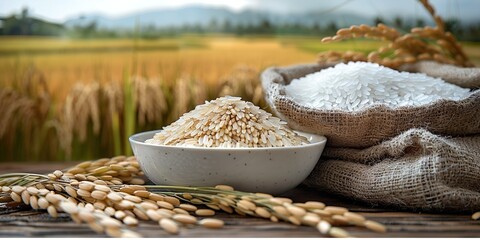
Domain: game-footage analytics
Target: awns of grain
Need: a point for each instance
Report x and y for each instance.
(427, 43)
(109, 208)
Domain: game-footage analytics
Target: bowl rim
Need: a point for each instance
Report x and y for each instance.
(322, 140)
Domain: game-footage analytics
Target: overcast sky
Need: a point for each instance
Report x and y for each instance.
(60, 10)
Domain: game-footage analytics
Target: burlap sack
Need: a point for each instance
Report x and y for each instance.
(463, 77)
(373, 125)
(416, 170)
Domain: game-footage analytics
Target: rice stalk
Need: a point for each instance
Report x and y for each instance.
(243, 82)
(110, 205)
(419, 44)
(129, 111)
(22, 114)
(438, 20)
(64, 126)
(198, 91)
(84, 109)
(26, 108)
(9, 104)
(181, 98)
(81, 109)
(114, 101)
(150, 101)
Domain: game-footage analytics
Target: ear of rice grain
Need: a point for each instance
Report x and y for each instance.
(228, 122)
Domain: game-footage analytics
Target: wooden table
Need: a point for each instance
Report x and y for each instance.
(22, 222)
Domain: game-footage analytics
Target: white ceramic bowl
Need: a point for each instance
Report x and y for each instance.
(270, 170)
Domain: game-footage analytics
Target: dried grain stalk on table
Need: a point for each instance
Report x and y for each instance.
(109, 195)
(427, 43)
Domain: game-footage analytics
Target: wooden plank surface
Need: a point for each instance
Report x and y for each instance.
(22, 222)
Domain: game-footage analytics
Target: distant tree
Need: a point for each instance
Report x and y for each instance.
(213, 25)
(198, 28)
(227, 26)
(11, 26)
(86, 31)
(265, 26)
(149, 31)
(398, 22)
(24, 24)
(419, 22)
(316, 28)
(24, 14)
(249, 28)
(331, 28)
(472, 32)
(378, 20)
(240, 29)
(90, 28)
(453, 25)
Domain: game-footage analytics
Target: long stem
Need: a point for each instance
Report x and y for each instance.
(195, 189)
(9, 175)
(22, 179)
(129, 111)
(117, 144)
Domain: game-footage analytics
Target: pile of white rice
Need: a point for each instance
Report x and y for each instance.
(228, 122)
(359, 85)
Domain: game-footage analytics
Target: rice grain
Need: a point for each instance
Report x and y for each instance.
(227, 122)
(358, 85)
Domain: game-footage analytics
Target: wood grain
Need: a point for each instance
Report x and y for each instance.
(23, 222)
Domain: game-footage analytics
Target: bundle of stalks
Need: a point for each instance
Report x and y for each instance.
(15, 109)
(427, 43)
(112, 97)
(181, 98)
(85, 105)
(243, 82)
(150, 100)
(199, 92)
(80, 110)
(110, 196)
(25, 113)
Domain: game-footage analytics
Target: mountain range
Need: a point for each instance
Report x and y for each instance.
(204, 15)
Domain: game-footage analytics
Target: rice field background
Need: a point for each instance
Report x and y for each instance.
(64, 99)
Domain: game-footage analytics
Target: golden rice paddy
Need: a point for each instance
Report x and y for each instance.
(83, 98)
